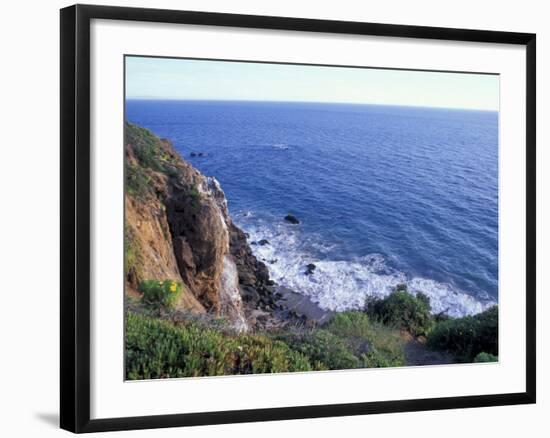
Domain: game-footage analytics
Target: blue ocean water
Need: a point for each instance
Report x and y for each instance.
(385, 194)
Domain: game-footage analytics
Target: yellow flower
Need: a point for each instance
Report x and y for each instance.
(173, 287)
(161, 283)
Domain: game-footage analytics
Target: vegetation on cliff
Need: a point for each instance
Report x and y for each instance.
(403, 310)
(185, 346)
(177, 229)
(469, 338)
(465, 338)
(160, 293)
(159, 348)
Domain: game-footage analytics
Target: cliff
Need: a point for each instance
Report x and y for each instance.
(177, 227)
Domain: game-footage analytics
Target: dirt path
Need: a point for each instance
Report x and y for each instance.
(417, 353)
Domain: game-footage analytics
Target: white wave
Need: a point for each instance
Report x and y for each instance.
(341, 285)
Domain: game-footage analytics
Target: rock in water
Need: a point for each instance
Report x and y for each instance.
(310, 268)
(292, 219)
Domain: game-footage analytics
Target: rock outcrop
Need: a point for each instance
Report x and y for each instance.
(177, 226)
(292, 219)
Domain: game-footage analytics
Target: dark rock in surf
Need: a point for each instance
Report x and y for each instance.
(263, 242)
(292, 219)
(310, 268)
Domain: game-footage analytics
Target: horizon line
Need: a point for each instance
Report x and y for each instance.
(311, 101)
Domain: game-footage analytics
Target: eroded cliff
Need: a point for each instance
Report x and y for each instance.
(177, 227)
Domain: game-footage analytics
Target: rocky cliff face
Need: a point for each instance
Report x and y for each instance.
(177, 227)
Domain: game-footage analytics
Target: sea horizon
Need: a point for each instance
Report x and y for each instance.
(319, 102)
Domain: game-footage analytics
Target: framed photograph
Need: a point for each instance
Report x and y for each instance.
(268, 218)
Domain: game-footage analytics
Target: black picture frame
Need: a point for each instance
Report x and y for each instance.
(75, 217)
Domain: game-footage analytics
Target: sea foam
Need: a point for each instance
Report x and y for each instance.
(341, 285)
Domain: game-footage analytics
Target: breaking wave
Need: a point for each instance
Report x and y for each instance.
(341, 285)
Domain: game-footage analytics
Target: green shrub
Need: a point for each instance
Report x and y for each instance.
(386, 349)
(146, 145)
(375, 344)
(137, 181)
(485, 357)
(349, 341)
(351, 324)
(159, 349)
(131, 252)
(322, 347)
(467, 337)
(149, 150)
(195, 196)
(160, 293)
(375, 358)
(403, 310)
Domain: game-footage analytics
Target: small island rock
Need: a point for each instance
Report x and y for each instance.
(292, 219)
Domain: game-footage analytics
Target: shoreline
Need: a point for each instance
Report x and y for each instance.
(287, 261)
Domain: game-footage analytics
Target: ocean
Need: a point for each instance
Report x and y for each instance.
(384, 194)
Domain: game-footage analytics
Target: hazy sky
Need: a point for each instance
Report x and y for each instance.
(164, 78)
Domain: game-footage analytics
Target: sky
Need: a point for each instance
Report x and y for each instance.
(185, 79)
